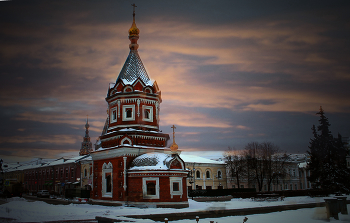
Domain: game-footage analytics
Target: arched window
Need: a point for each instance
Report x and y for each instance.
(219, 174)
(208, 174)
(198, 174)
(107, 184)
(85, 172)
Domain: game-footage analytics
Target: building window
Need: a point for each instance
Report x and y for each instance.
(147, 113)
(208, 174)
(107, 176)
(219, 174)
(198, 174)
(175, 186)
(108, 183)
(72, 173)
(242, 186)
(113, 115)
(128, 112)
(233, 186)
(150, 187)
(66, 173)
(85, 172)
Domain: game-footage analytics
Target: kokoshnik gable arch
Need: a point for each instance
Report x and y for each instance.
(131, 163)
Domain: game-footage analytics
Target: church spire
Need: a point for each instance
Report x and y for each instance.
(86, 145)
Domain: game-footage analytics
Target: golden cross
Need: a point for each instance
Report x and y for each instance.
(133, 14)
(173, 127)
(133, 5)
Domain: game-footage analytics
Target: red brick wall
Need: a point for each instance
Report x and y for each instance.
(118, 193)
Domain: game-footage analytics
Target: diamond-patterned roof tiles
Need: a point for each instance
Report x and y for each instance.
(151, 161)
(133, 68)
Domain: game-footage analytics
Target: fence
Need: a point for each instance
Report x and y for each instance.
(235, 192)
(70, 193)
(251, 192)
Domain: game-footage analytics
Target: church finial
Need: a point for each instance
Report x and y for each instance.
(87, 122)
(133, 32)
(133, 13)
(174, 146)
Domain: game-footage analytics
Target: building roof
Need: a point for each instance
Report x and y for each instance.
(133, 69)
(198, 159)
(151, 161)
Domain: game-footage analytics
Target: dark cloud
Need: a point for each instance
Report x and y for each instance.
(231, 72)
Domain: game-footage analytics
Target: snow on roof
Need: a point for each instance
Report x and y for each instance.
(303, 165)
(133, 69)
(43, 163)
(69, 160)
(197, 159)
(151, 161)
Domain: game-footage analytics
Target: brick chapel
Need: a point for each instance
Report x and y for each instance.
(132, 164)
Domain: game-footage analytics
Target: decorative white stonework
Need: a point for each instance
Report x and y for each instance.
(129, 142)
(124, 186)
(150, 187)
(148, 90)
(133, 126)
(128, 116)
(138, 107)
(118, 108)
(107, 180)
(134, 100)
(147, 112)
(176, 186)
(128, 88)
(157, 112)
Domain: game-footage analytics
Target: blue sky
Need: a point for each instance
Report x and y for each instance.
(230, 72)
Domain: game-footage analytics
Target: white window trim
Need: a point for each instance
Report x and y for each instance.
(174, 180)
(144, 187)
(128, 87)
(116, 115)
(210, 174)
(151, 91)
(132, 112)
(126, 139)
(150, 119)
(107, 168)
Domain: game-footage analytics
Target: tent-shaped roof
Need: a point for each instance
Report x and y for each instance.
(133, 69)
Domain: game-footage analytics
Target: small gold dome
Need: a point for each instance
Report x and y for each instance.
(134, 31)
(174, 147)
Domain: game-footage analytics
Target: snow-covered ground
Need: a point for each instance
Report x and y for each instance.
(39, 211)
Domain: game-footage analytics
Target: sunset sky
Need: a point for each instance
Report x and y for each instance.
(230, 72)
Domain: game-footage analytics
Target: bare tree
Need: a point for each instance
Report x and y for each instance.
(274, 162)
(236, 165)
(253, 155)
(265, 163)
